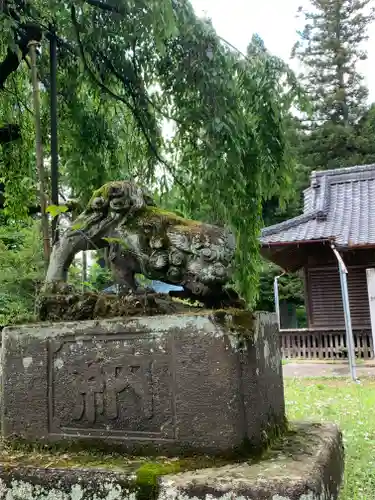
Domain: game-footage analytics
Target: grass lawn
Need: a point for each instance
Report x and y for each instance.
(352, 407)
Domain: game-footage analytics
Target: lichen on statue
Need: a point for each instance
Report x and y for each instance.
(143, 238)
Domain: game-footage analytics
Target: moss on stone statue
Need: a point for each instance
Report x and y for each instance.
(147, 211)
(235, 318)
(148, 473)
(160, 214)
(103, 191)
(273, 434)
(66, 304)
(161, 219)
(23, 454)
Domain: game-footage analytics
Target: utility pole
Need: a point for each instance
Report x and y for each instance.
(39, 151)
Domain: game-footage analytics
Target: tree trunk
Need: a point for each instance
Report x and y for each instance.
(39, 153)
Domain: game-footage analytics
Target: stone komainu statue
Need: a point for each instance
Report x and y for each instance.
(143, 238)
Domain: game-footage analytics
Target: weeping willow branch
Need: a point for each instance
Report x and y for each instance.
(20, 102)
(133, 109)
(87, 67)
(110, 66)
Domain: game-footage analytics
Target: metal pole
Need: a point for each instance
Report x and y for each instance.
(370, 275)
(84, 271)
(54, 143)
(346, 305)
(276, 297)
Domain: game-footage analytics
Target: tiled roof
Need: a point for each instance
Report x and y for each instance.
(339, 206)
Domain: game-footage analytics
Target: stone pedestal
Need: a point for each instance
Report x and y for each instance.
(181, 384)
(307, 465)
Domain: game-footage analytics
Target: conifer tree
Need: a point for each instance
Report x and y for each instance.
(329, 48)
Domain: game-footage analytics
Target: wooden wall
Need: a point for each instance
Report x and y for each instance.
(323, 290)
(324, 344)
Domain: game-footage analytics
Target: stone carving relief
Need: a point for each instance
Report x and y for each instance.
(105, 386)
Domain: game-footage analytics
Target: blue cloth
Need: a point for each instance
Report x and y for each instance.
(160, 287)
(156, 286)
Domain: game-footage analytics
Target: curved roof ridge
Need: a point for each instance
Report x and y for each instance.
(356, 169)
(290, 223)
(321, 220)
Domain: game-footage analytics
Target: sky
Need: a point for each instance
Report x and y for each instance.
(276, 22)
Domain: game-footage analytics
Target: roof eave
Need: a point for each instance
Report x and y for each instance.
(296, 242)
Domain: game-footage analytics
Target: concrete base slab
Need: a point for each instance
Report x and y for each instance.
(307, 464)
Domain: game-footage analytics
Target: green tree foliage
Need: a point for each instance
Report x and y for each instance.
(329, 48)
(125, 69)
(364, 152)
(21, 271)
(290, 288)
(99, 277)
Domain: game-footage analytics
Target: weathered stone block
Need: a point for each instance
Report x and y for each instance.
(307, 464)
(207, 383)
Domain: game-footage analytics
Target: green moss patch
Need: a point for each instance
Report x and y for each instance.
(160, 214)
(296, 442)
(103, 191)
(20, 454)
(142, 473)
(24, 454)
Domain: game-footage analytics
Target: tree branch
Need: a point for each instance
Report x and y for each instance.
(8, 133)
(23, 34)
(106, 7)
(19, 101)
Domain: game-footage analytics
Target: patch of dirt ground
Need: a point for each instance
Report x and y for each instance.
(307, 369)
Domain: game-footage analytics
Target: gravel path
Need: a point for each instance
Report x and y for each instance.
(318, 369)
